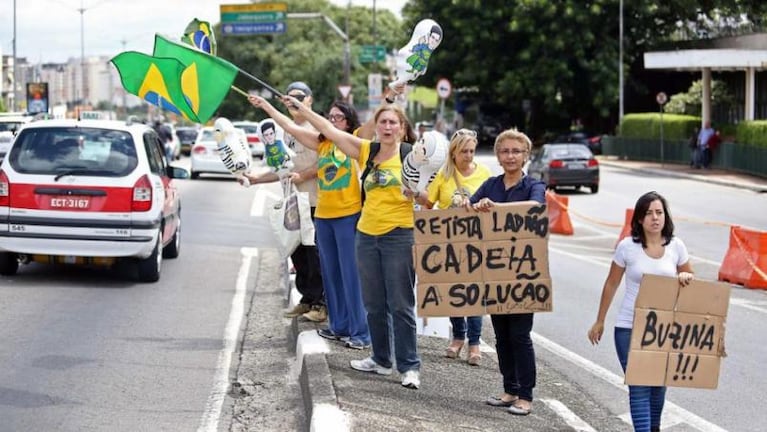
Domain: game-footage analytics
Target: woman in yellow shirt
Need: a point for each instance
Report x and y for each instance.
(456, 181)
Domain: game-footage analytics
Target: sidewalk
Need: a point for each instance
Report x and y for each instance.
(714, 175)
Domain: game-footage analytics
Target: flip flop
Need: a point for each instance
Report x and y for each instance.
(518, 410)
(498, 402)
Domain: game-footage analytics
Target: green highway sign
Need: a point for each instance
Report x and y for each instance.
(372, 53)
(233, 17)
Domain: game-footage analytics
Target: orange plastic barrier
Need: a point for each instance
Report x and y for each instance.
(746, 260)
(626, 231)
(559, 218)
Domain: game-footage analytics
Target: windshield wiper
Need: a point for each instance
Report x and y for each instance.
(81, 171)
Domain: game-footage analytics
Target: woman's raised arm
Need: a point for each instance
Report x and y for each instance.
(345, 141)
(307, 137)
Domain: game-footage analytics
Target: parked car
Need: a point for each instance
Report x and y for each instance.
(6, 137)
(592, 141)
(186, 136)
(13, 121)
(204, 157)
(564, 164)
(251, 133)
(89, 192)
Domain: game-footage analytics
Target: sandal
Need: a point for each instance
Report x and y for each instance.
(474, 355)
(454, 349)
(516, 409)
(499, 402)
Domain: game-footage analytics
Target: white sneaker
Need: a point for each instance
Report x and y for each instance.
(410, 379)
(369, 365)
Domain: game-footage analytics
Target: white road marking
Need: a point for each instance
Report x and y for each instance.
(210, 417)
(326, 417)
(568, 416)
(676, 412)
(603, 262)
(751, 305)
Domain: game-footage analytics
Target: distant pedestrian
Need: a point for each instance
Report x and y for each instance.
(651, 249)
(711, 147)
(693, 144)
(703, 136)
(516, 356)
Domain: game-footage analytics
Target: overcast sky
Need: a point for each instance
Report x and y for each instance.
(49, 30)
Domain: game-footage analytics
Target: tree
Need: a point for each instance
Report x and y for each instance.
(562, 56)
(690, 102)
(309, 51)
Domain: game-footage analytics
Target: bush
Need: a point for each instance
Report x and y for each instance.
(752, 132)
(647, 126)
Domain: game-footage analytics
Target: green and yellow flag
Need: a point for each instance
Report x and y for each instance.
(206, 79)
(156, 80)
(200, 34)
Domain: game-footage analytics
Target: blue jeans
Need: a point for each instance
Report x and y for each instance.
(467, 325)
(387, 275)
(646, 403)
(516, 356)
(343, 295)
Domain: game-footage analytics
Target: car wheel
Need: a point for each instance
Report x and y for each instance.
(594, 188)
(9, 263)
(149, 267)
(195, 175)
(174, 247)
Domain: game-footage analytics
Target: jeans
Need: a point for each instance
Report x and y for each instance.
(516, 356)
(646, 403)
(346, 312)
(306, 260)
(387, 275)
(467, 325)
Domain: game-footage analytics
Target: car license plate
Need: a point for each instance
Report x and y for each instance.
(576, 165)
(70, 203)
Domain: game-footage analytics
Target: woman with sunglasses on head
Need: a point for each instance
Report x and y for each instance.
(335, 219)
(516, 357)
(455, 182)
(651, 249)
(384, 244)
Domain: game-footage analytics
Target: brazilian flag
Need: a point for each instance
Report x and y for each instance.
(156, 80)
(200, 34)
(206, 79)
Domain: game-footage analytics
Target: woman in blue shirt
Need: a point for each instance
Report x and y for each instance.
(516, 357)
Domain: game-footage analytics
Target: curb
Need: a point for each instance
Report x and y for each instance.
(317, 391)
(701, 178)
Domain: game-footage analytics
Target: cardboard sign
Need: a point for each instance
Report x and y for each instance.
(678, 334)
(470, 263)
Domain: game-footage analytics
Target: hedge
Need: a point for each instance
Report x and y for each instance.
(648, 125)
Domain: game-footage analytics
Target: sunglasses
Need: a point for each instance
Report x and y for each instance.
(462, 132)
(336, 117)
(299, 96)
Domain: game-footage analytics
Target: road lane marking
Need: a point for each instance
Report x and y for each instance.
(679, 414)
(210, 417)
(750, 305)
(568, 416)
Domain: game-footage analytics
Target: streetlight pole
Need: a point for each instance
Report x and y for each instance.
(82, 58)
(15, 106)
(620, 63)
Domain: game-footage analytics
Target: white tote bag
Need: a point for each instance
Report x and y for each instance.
(291, 220)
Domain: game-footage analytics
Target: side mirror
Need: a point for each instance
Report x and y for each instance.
(177, 173)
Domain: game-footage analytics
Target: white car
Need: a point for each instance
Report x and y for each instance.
(204, 157)
(90, 192)
(6, 137)
(251, 132)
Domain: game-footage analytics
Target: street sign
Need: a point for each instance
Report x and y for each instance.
(229, 29)
(253, 18)
(372, 53)
(254, 7)
(444, 88)
(661, 98)
(344, 90)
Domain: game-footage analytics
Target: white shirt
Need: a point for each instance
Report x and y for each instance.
(636, 262)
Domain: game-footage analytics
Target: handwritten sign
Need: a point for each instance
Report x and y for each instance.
(471, 263)
(678, 334)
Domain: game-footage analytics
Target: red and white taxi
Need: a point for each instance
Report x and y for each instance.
(89, 191)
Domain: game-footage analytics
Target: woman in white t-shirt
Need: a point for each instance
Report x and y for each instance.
(651, 249)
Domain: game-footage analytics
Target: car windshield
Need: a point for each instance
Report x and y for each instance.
(186, 135)
(9, 126)
(208, 135)
(570, 152)
(74, 151)
(249, 129)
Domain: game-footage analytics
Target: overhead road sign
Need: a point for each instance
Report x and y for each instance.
(254, 7)
(234, 17)
(372, 53)
(252, 28)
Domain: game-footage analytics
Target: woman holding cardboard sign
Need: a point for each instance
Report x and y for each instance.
(457, 180)
(516, 357)
(651, 249)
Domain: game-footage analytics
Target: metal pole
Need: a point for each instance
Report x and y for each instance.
(662, 158)
(82, 54)
(620, 64)
(347, 48)
(375, 34)
(15, 106)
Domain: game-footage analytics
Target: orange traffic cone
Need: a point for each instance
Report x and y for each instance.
(745, 262)
(559, 218)
(626, 231)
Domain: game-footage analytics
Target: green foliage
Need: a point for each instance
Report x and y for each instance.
(310, 51)
(648, 125)
(690, 102)
(753, 132)
(2, 106)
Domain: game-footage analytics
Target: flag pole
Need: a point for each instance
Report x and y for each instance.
(267, 86)
(240, 91)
